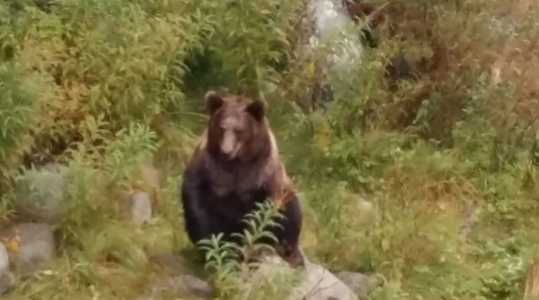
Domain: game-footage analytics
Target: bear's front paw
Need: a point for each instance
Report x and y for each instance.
(292, 255)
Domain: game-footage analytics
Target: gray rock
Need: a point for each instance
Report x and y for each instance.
(183, 285)
(361, 284)
(35, 245)
(140, 207)
(321, 284)
(272, 279)
(5, 279)
(40, 193)
(316, 282)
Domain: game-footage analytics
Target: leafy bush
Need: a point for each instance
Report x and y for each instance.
(233, 263)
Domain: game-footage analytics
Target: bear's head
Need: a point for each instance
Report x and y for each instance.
(238, 130)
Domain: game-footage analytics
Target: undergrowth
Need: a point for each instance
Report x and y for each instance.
(387, 172)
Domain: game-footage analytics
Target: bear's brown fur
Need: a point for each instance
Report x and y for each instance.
(235, 166)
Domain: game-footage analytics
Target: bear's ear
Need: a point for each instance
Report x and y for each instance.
(213, 101)
(257, 109)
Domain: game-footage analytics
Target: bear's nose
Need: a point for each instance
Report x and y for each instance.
(228, 143)
(227, 153)
(227, 156)
(227, 150)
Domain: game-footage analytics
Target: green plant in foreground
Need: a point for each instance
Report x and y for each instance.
(224, 257)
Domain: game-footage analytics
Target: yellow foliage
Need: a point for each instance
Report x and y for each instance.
(12, 244)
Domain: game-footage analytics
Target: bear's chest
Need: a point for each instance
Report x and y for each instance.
(243, 182)
(232, 199)
(233, 207)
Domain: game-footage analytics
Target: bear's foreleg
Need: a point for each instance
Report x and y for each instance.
(198, 222)
(289, 231)
(195, 217)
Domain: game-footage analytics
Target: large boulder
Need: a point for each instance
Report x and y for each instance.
(40, 193)
(313, 282)
(321, 284)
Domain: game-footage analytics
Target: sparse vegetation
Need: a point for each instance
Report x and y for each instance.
(103, 86)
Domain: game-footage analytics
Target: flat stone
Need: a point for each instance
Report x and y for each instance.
(140, 206)
(34, 242)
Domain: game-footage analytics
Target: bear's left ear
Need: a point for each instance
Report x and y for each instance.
(257, 109)
(213, 101)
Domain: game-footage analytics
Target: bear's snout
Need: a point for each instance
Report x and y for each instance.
(230, 145)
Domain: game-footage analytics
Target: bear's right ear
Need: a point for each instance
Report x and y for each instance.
(213, 101)
(257, 109)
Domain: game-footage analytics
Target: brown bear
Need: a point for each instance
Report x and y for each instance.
(235, 166)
